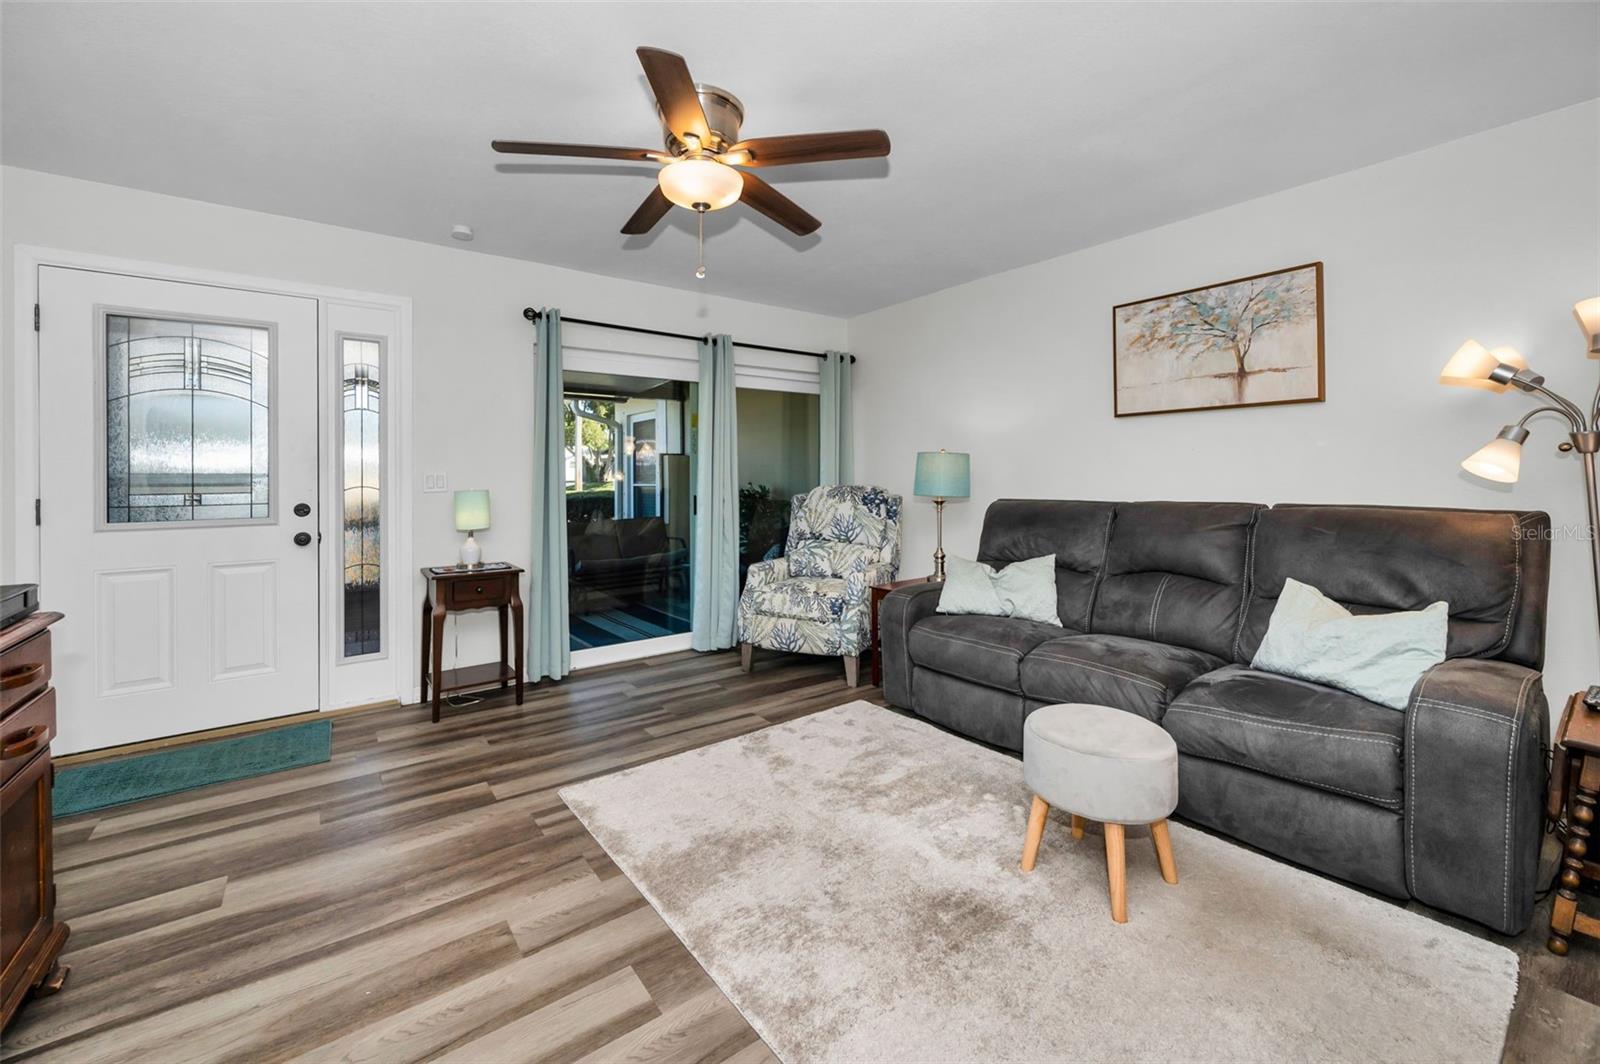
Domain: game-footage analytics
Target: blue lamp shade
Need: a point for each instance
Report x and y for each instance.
(943, 475)
(472, 510)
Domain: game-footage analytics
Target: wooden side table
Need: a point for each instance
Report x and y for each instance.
(1575, 788)
(455, 589)
(874, 596)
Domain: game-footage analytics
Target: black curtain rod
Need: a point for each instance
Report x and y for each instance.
(533, 315)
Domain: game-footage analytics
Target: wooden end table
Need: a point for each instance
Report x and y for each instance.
(456, 589)
(875, 595)
(1575, 788)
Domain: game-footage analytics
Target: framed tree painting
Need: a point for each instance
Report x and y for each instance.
(1255, 341)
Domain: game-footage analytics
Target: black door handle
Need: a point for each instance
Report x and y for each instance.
(302, 509)
(302, 539)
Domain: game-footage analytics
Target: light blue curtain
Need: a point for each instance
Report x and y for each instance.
(716, 520)
(838, 440)
(549, 642)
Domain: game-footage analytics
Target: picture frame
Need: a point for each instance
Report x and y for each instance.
(1249, 341)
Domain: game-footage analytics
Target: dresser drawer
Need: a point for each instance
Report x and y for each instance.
(484, 591)
(26, 732)
(24, 671)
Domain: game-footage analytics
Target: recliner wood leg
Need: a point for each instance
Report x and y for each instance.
(747, 653)
(852, 669)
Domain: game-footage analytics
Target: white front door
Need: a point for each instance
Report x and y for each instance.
(178, 485)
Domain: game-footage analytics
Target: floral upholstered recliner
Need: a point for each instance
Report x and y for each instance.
(813, 600)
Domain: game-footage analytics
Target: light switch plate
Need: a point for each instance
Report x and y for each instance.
(433, 482)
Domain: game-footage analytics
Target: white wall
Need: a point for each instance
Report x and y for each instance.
(472, 350)
(1494, 236)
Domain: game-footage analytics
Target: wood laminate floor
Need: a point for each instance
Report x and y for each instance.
(426, 895)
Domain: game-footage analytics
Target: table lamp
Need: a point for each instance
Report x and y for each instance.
(942, 475)
(472, 514)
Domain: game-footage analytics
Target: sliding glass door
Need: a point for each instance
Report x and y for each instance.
(630, 507)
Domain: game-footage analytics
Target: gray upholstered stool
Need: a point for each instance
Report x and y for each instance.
(1103, 764)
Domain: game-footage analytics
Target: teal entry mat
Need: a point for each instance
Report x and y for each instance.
(117, 781)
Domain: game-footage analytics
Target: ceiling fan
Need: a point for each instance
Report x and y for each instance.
(703, 150)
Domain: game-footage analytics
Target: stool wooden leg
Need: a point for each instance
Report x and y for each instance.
(1163, 841)
(1117, 873)
(1036, 818)
(1077, 826)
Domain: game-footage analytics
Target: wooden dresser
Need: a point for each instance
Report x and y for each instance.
(30, 936)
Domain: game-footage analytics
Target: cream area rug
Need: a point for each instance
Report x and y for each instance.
(850, 881)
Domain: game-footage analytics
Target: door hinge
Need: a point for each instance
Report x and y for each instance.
(36, 317)
(38, 512)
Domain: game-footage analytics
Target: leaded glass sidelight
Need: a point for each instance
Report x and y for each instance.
(188, 425)
(362, 362)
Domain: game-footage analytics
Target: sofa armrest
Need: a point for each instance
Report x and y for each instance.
(1476, 736)
(900, 611)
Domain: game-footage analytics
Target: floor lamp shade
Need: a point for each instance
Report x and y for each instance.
(943, 475)
(472, 514)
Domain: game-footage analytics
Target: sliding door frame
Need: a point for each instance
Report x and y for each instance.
(592, 349)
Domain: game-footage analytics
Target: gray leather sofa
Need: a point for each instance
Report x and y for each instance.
(1163, 605)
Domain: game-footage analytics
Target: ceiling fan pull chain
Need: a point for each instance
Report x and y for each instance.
(700, 270)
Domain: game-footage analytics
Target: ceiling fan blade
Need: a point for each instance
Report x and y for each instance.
(576, 151)
(808, 148)
(652, 210)
(775, 205)
(669, 79)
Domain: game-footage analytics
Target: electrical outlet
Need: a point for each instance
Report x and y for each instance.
(433, 482)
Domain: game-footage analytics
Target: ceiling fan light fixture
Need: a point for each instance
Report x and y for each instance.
(700, 184)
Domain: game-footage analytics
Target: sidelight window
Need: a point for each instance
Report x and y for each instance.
(362, 362)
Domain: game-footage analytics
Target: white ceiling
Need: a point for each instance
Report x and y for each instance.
(1020, 131)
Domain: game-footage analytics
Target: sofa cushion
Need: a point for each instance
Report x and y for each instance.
(1488, 565)
(1112, 670)
(986, 650)
(801, 598)
(1015, 530)
(1175, 573)
(1294, 730)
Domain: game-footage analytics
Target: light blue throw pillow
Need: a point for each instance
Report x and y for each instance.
(1025, 590)
(1378, 656)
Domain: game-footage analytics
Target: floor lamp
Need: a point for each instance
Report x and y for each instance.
(1475, 366)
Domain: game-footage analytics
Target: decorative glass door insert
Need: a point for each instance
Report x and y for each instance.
(362, 362)
(188, 420)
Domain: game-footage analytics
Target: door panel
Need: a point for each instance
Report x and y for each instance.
(133, 615)
(178, 430)
(244, 611)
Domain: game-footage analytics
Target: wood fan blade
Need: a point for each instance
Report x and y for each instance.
(775, 205)
(576, 151)
(808, 148)
(669, 79)
(652, 210)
